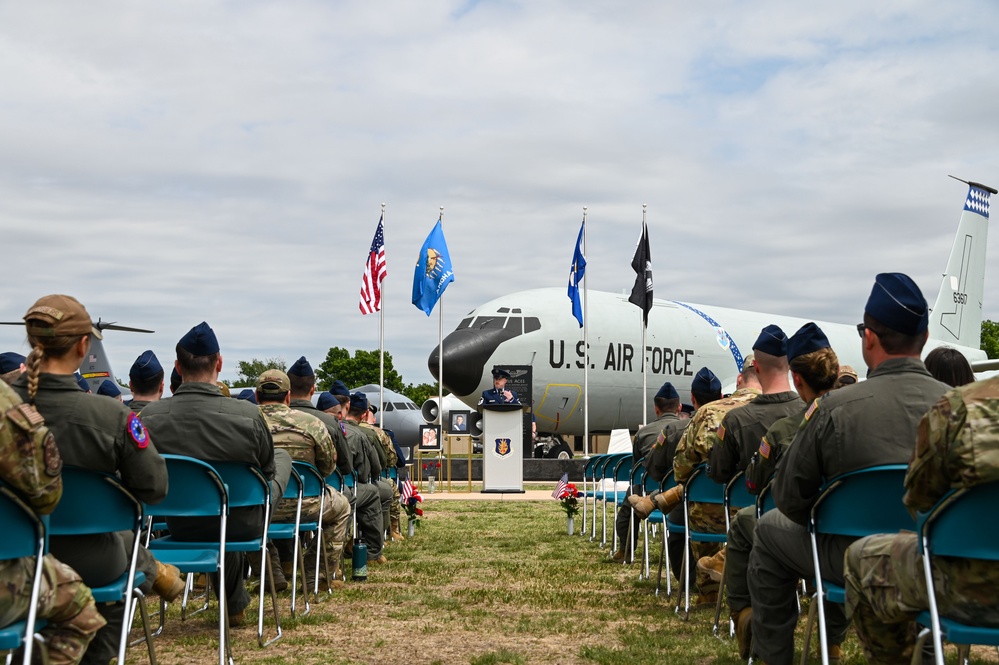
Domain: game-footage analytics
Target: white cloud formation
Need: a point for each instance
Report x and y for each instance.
(176, 162)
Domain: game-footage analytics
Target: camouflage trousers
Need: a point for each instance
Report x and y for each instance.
(65, 601)
(394, 509)
(708, 518)
(886, 589)
(335, 519)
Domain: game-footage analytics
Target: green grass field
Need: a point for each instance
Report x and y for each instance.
(481, 583)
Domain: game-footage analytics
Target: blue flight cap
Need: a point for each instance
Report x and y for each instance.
(705, 382)
(339, 389)
(301, 368)
(688, 409)
(200, 340)
(145, 367)
(326, 401)
(898, 303)
(175, 377)
(248, 394)
(809, 338)
(108, 389)
(667, 392)
(500, 373)
(82, 382)
(771, 341)
(359, 401)
(9, 361)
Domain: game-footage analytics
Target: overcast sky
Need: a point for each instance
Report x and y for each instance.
(169, 163)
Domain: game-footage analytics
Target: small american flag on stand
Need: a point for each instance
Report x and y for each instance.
(408, 491)
(563, 483)
(374, 273)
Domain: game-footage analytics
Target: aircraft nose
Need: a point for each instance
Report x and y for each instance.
(466, 352)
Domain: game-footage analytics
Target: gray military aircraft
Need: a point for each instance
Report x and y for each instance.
(96, 366)
(534, 333)
(399, 414)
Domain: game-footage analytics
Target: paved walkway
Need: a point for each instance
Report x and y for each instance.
(457, 495)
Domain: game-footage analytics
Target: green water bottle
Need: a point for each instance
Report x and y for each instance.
(360, 560)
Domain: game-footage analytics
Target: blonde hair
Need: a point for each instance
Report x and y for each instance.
(44, 346)
(819, 369)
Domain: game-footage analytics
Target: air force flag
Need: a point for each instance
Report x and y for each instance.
(433, 271)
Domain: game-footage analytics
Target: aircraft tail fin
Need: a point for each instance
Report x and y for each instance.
(956, 317)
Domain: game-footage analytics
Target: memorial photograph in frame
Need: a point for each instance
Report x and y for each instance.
(457, 422)
(430, 438)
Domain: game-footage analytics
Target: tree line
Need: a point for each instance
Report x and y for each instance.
(354, 370)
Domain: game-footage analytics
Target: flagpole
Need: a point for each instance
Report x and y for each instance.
(440, 347)
(645, 357)
(586, 357)
(381, 341)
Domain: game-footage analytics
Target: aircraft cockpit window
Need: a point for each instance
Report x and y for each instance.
(503, 310)
(465, 323)
(388, 406)
(490, 322)
(515, 310)
(531, 323)
(402, 406)
(515, 324)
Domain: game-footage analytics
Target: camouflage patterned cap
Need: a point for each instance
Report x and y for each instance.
(847, 375)
(273, 382)
(57, 316)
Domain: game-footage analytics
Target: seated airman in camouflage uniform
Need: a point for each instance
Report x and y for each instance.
(957, 445)
(30, 464)
(306, 439)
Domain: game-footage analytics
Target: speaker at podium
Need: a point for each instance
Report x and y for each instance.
(502, 448)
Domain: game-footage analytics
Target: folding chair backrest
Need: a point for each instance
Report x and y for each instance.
(245, 484)
(23, 530)
(638, 473)
(701, 489)
(589, 466)
(954, 526)
(738, 494)
(93, 502)
(335, 480)
(196, 490)
(668, 481)
(295, 485)
(863, 502)
(765, 499)
(313, 483)
(622, 469)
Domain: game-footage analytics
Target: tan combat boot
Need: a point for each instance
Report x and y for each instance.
(394, 531)
(664, 501)
(169, 583)
(713, 566)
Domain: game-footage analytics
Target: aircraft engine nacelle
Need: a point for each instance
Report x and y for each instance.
(430, 410)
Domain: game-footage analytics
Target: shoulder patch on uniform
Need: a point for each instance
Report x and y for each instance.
(53, 460)
(721, 431)
(764, 448)
(343, 427)
(661, 438)
(137, 431)
(812, 408)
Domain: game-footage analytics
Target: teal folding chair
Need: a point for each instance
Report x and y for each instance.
(94, 503)
(588, 479)
(196, 490)
(290, 531)
(23, 536)
(699, 488)
(607, 473)
(638, 473)
(599, 464)
(615, 497)
(737, 495)
(843, 508)
(314, 485)
(953, 528)
(678, 531)
(248, 488)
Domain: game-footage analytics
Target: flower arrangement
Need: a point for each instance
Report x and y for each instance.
(569, 498)
(431, 467)
(409, 504)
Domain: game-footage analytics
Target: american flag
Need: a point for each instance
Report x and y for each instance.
(409, 491)
(374, 273)
(562, 484)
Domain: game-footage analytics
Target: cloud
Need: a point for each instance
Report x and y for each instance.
(188, 161)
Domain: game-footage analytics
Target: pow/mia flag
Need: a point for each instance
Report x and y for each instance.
(641, 293)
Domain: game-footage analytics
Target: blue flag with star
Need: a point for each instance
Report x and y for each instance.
(433, 271)
(576, 271)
